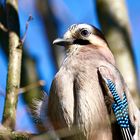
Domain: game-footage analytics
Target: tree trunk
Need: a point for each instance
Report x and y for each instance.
(45, 10)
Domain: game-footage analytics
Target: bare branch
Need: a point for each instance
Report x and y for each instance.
(47, 14)
(14, 67)
(26, 28)
(31, 86)
(29, 74)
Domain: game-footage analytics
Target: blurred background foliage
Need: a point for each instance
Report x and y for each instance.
(51, 19)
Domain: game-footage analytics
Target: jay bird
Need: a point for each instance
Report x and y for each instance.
(82, 100)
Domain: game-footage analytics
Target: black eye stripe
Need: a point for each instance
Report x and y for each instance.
(81, 42)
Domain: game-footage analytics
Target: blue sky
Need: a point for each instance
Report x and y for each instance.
(68, 12)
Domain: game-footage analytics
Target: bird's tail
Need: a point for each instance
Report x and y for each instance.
(39, 108)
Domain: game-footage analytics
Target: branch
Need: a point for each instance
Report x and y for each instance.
(31, 86)
(14, 135)
(46, 12)
(14, 67)
(26, 29)
(28, 74)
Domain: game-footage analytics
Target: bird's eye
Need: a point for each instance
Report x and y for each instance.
(85, 33)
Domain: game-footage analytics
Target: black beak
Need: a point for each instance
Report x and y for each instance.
(62, 42)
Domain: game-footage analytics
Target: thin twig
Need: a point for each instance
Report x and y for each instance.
(26, 29)
(31, 86)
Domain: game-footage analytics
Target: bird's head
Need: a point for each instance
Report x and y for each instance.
(81, 34)
(85, 36)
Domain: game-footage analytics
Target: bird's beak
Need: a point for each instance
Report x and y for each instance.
(62, 42)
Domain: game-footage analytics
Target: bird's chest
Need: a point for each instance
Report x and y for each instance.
(90, 112)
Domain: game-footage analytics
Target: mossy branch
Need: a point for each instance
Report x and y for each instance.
(13, 135)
